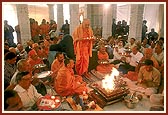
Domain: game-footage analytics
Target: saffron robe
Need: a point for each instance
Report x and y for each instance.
(35, 61)
(104, 68)
(82, 48)
(55, 66)
(66, 83)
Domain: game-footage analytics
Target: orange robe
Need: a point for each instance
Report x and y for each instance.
(82, 48)
(33, 62)
(34, 30)
(66, 83)
(104, 68)
(55, 66)
(44, 29)
(47, 46)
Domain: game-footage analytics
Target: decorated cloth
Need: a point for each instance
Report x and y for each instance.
(67, 84)
(104, 68)
(82, 48)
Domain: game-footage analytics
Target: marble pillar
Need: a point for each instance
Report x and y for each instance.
(51, 11)
(23, 21)
(60, 17)
(74, 17)
(114, 11)
(136, 19)
(107, 22)
(161, 20)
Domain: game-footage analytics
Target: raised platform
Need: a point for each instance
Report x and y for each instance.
(103, 98)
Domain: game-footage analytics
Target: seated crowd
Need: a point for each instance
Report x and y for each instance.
(22, 88)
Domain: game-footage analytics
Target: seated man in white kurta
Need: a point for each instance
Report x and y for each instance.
(27, 92)
(130, 60)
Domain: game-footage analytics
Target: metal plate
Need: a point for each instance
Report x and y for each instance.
(44, 74)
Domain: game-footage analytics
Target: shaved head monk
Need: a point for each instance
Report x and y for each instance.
(83, 38)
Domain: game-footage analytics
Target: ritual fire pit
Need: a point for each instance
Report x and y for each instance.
(109, 90)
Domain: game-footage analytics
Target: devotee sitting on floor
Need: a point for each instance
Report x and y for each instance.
(103, 60)
(148, 54)
(66, 83)
(109, 46)
(34, 59)
(130, 44)
(22, 65)
(130, 61)
(27, 92)
(149, 77)
(29, 46)
(159, 53)
(21, 51)
(12, 101)
(57, 64)
(119, 50)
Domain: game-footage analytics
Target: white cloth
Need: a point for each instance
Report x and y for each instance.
(117, 55)
(13, 79)
(28, 97)
(134, 59)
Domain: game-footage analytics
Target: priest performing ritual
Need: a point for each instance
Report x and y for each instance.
(83, 38)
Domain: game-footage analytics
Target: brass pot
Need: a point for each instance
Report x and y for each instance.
(131, 102)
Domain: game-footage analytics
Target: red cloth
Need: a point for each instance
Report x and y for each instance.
(132, 75)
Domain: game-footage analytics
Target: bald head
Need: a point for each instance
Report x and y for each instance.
(86, 23)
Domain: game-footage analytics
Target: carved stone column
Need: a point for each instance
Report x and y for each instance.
(107, 21)
(60, 17)
(24, 23)
(136, 19)
(74, 17)
(51, 11)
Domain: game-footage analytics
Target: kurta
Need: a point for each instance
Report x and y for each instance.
(66, 83)
(28, 97)
(82, 48)
(104, 68)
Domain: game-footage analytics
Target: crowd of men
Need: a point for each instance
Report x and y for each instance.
(67, 56)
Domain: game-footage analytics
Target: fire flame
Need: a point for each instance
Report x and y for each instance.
(108, 82)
